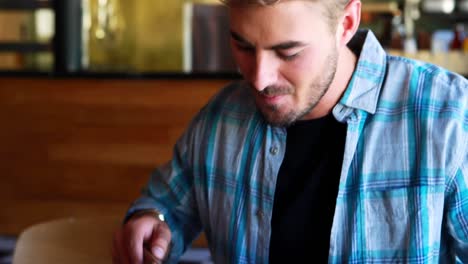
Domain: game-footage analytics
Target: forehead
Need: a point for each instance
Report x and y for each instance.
(284, 21)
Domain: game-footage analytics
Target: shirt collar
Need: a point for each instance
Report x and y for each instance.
(364, 88)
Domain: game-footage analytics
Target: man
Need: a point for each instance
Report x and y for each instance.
(330, 151)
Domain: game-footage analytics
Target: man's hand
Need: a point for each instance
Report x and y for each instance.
(139, 232)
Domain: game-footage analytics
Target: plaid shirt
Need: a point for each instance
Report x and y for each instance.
(403, 193)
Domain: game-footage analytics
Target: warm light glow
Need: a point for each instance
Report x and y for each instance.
(444, 6)
(448, 6)
(100, 33)
(44, 22)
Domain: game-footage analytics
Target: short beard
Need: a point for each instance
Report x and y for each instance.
(322, 84)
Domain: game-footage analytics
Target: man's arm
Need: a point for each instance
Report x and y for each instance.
(171, 192)
(457, 211)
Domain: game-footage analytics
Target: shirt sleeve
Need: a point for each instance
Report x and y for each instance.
(170, 190)
(457, 212)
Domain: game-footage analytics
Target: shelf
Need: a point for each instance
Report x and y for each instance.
(25, 4)
(24, 47)
(121, 75)
(382, 8)
(454, 17)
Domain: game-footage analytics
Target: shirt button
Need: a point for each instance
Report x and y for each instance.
(274, 150)
(259, 213)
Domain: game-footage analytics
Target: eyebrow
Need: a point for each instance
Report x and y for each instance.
(281, 46)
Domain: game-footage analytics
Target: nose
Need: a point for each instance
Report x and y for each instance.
(265, 72)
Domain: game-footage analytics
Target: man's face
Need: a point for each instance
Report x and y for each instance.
(288, 55)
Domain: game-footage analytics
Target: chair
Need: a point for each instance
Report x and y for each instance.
(70, 240)
(81, 240)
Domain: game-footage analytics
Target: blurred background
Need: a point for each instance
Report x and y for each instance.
(94, 94)
(181, 36)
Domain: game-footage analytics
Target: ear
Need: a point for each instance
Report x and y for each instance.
(348, 23)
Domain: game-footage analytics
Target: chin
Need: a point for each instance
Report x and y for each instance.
(279, 119)
(277, 114)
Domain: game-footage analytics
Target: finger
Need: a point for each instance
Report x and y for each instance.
(133, 236)
(138, 232)
(149, 258)
(119, 253)
(160, 241)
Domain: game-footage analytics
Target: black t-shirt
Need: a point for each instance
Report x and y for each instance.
(306, 191)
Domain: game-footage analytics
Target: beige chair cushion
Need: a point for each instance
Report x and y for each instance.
(68, 241)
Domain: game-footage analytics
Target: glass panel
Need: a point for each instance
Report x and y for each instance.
(15, 26)
(25, 40)
(141, 36)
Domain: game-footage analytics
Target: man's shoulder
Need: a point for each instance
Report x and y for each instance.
(425, 74)
(423, 93)
(424, 103)
(414, 81)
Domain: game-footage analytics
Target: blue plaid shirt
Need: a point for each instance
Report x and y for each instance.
(403, 193)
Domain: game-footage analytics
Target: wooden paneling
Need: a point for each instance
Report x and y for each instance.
(84, 147)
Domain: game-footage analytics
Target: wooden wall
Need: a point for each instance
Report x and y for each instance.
(84, 147)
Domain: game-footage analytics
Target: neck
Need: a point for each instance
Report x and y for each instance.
(344, 71)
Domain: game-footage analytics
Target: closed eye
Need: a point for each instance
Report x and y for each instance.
(287, 56)
(244, 48)
(289, 50)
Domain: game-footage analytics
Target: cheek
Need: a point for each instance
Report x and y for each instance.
(299, 71)
(307, 67)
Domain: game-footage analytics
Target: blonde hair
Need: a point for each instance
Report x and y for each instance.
(334, 8)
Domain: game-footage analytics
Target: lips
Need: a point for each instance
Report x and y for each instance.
(271, 99)
(272, 94)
